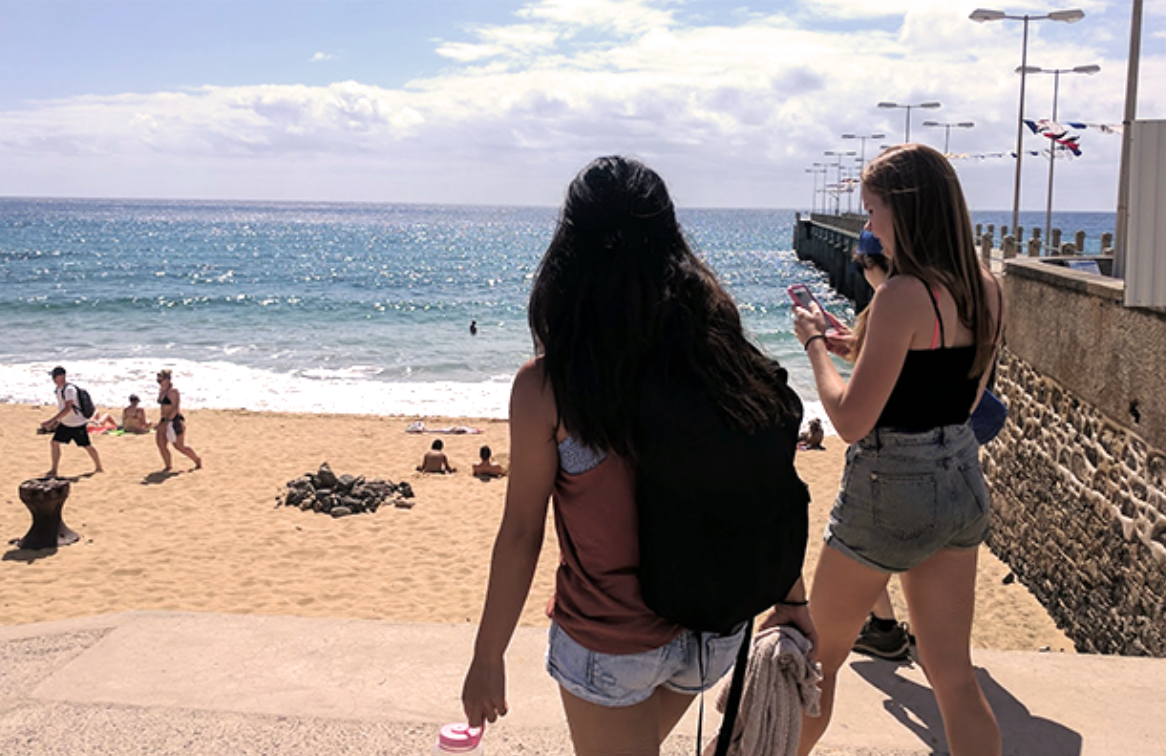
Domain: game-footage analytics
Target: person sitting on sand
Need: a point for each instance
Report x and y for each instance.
(133, 417)
(812, 437)
(435, 460)
(487, 468)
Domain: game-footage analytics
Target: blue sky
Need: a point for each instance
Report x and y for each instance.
(501, 101)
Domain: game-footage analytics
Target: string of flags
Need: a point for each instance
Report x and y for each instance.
(1046, 124)
(1104, 128)
(1058, 133)
(989, 155)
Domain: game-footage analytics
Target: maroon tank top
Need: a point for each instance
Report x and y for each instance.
(597, 589)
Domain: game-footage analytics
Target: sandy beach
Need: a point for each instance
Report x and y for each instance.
(214, 540)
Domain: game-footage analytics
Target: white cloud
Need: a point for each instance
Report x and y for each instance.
(730, 113)
(321, 57)
(624, 17)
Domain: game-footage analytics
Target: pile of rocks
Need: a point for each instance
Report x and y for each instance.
(340, 495)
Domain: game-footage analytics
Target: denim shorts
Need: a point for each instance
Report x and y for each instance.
(905, 496)
(628, 679)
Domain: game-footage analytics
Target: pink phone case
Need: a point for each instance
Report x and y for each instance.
(802, 296)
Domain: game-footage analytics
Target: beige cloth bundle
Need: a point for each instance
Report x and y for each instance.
(780, 683)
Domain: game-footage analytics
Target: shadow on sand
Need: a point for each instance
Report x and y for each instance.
(27, 556)
(161, 476)
(914, 706)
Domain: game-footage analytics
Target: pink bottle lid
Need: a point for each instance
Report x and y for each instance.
(459, 738)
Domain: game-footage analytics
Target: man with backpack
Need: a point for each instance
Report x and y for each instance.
(69, 424)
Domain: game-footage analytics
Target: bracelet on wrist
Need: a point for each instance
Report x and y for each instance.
(812, 339)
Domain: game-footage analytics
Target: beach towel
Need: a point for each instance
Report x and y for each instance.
(419, 427)
(780, 683)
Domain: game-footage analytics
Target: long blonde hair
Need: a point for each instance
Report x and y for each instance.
(933, 235)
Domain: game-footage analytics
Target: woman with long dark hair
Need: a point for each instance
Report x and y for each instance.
(912, 499)
(618, 293)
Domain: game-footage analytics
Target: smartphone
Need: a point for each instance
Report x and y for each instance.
(803, 297)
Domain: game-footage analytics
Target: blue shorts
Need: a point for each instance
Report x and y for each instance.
(628, 679)
(905, 496)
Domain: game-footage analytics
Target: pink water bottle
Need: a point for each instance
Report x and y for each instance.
(460, 739)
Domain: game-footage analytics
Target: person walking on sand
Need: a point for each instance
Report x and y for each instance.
(68, 425)
(617, 292)
(171, 427)
(913, 499)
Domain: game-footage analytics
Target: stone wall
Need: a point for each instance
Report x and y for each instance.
(1078, 475)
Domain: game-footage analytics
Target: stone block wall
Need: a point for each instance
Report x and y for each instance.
(1079, 483)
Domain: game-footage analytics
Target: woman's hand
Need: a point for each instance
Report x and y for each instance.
(840, 341)
(793, 616)
(484, 691)
(840, 344)
(809, 323)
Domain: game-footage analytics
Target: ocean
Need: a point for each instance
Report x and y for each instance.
(325, 307)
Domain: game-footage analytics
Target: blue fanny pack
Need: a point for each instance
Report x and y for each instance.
(989, 417)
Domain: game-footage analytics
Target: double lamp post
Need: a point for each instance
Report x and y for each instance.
(981, 15)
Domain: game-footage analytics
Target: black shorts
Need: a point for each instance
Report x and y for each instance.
(77, 434)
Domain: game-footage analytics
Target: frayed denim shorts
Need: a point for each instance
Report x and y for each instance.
(628, 679)
(905, 496)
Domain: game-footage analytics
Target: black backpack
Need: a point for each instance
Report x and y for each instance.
(723, 515)
(84, 401)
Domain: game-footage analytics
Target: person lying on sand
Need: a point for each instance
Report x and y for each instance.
(101, 423)
(435, 460)
(419, 427)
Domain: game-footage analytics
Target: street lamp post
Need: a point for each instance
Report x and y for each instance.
(1130, 114)
(1056, 72)
(856, 181)
(947, 127)
(907, 130)
(862, 144)
(839, 154)
(818, 168)
(846, 185)
(980, 15)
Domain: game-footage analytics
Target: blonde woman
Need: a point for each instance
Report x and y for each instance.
(913, 500)
(171, 427)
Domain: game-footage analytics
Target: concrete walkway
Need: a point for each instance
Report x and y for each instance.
(191, 684)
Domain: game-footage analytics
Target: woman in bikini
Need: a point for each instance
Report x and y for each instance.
(171, 427)
(133, 417)
(913, 499)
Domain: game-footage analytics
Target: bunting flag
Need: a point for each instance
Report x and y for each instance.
(1104, 128)
(1070, 143)
(990, 155)
(1056, 132)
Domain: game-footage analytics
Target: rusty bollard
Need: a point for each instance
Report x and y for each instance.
(45, 498)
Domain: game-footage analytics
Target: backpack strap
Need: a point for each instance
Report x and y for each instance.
(77, 403)
(736, 688)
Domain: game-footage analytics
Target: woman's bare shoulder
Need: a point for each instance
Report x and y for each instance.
(902, 295)
(531, 394)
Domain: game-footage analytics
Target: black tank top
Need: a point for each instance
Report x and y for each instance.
(933, 388)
